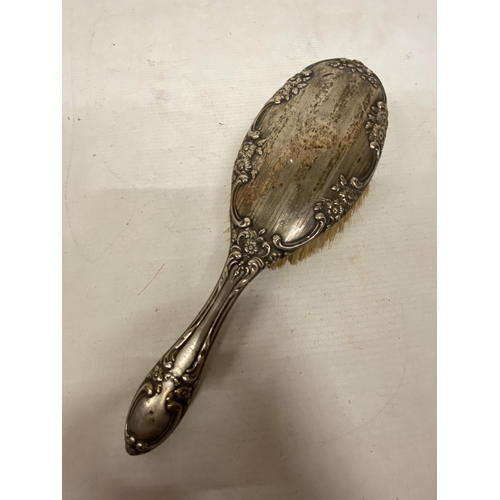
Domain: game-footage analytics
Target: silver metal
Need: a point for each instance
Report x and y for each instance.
(306, 160)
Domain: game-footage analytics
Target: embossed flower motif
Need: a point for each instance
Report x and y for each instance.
(377, 132)
(376, 126)
(251, 148)
(345, 196)
(348, 196)
(276, 255)
(332, 209)
(251, 242)
(251, 247)
(184, 392)
(244, 237)
(292, 87)
(244, 169)
(343, 63)
(338, 63)
(366, 74)
(345, 193)
(373, 81)
(156, 373)
(377, 120)
(249, 252)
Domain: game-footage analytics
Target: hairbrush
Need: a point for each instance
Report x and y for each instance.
(304, 166)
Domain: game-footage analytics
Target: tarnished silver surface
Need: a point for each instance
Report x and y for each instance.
(304, 163)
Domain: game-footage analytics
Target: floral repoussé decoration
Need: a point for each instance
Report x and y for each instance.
(292, 87)
(376, 126)
(346, 194)
(244, 168)
(250, 252)
(353, 65)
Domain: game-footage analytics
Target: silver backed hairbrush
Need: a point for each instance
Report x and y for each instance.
(303, 166)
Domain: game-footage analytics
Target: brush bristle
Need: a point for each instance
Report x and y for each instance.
(319, 242)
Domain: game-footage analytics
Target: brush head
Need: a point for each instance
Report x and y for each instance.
(306, 162)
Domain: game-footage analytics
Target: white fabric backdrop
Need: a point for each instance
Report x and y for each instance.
(321, 384)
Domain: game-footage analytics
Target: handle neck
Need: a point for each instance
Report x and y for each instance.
(166, 392)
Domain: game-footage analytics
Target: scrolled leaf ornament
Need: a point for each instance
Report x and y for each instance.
(376, 126)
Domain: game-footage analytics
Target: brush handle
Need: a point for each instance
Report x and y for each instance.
(166, 393)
